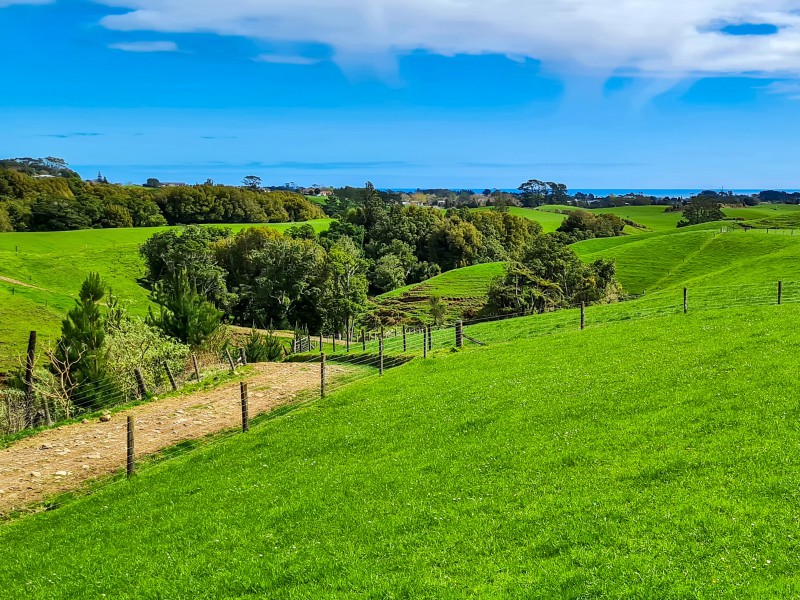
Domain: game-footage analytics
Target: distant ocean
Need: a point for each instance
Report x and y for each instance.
(658, 193)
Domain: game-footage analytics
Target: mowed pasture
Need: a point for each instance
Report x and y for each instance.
(644, 458)
(41, 273)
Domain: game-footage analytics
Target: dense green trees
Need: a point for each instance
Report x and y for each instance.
(549, 275)
(582, 224)
(702, 209)
(55, 203)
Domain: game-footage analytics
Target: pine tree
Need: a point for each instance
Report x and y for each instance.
(81, 345)
(183, 313)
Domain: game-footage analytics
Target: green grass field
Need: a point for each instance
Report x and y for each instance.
(654, 218)
(56, 263)
(698, 258)
(651, 458)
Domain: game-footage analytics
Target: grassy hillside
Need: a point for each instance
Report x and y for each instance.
(459, 288)
(698, 258)
(649, 458)
(654, 218)
(53, 265)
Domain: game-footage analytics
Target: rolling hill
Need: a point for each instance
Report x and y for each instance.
(40, 274)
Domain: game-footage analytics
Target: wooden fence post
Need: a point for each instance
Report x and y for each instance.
(780, 292)
(333, 339)
(308, 340)
(363, 339)
(405, 345)
(322, 375)
(685, 301)
(459, 334)
(380, 350)
(424, 342)
(583, 315)
(140, 383)
(230, 360)
(245, 415)
(321, 346)
(130, 463)
(347, 335)
(31, 357)
(430, 337)
(196, 367)
(170, 377)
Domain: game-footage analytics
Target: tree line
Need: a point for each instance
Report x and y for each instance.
(58, 203)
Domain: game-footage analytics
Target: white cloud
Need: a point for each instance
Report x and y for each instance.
(286, 59)
(663, 37)
(145, 46)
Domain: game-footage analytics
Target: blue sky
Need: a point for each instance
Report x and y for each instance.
(488, 93)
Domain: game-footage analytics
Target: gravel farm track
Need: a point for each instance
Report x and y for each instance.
(64, 458)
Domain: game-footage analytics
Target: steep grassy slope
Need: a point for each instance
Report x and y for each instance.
(460, 289)
(55, 264)
(653, 458)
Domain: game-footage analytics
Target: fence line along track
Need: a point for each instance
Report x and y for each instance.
(366, 359)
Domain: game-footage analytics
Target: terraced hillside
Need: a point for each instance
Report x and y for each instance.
(461, 289)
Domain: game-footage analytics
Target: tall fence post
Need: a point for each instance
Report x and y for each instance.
(780, 292)
(230, 360)
(140, 383)
(380, 350)
(430, 337)
(196, 367)
(245, 414)
(685, 300)
(130, 463)
(322, 375)
(583, 316)
(363, 340)
(333, 340)
(424, 342)
(321, 341)
(459, 334)
(29, 362)
(405, 345)
(170, 377)
(347, 335)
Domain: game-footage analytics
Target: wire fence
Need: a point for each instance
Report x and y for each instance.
(372, 354)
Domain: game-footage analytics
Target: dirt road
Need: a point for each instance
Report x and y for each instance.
(59, 460)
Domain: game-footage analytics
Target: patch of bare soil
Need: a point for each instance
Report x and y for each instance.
(62, 459)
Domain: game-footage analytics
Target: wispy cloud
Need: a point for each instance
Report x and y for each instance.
(650, 37)
(145, 46)
(286, 59)
(218, 137)
(70, 135)
(4, 3)
(784, 88)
